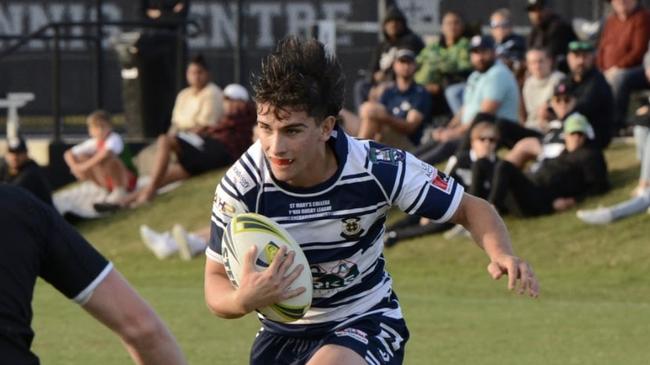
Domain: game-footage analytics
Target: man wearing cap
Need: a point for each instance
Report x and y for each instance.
(623, 43)
(397, 119)
(579, 171)
(510, 46)
(593, 94)
(491, 89)
(549, 31)
(16, 168)
(201, 149)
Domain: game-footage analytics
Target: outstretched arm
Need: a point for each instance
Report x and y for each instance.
(115, 304)
(490, 233)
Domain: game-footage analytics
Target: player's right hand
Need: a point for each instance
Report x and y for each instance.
(258, 289)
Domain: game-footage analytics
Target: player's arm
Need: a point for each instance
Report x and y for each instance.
(256, 289)
(490, 233)
(115, 304)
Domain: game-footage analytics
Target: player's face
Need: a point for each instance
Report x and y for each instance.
(294, 144)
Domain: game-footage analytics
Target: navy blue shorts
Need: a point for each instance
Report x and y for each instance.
(376, 338)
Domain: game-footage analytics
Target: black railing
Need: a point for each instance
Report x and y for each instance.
(180, 27)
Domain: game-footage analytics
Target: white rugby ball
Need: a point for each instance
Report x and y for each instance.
(248, 229)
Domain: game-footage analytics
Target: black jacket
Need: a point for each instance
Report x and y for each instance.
(596, 102)
(30, 177)
(553, 34)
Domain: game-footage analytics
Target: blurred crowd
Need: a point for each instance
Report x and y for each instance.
(521, 121)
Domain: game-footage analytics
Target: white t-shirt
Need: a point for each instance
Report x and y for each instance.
(88, 147)
(197, 109)
(536, 92)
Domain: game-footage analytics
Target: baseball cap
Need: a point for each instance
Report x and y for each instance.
(535, 5)
(577, 123)
(581, 46)
(481, 42)
(405, 53)
(563, 88)
(16, 145)
(236, 92)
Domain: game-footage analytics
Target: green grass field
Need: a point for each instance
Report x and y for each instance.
(594, 307)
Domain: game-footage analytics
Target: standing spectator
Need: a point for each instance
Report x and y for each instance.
(580, 170)
(510, 47)
(594, 96)
(538, 87)
(637, 78)
(549, 31)
(18, 169)
(37, 242)
(397, 35)
(201, 103)
(103, 159)
(623, 43)
(164, 10)
(444, 65)
(397, 120)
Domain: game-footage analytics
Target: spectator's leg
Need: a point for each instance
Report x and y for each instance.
(482, 172)
(351, 122)
(525, 150)
(642, 136)
(114, 168)
(629, 80)
(369, 127)
(440, 151)
(454, 95)
(528, 197)
(162, 171)
(632, 206)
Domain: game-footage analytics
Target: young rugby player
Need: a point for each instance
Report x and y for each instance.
(332, 193)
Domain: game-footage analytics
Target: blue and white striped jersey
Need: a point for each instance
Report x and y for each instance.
(339, 223)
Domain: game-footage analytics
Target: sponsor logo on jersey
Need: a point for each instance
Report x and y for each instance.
(441, 182)
(225, 208)
(353, 333)
(334, 276)
(351, 228)
(386, 155)
(241, 179)
(427, 169)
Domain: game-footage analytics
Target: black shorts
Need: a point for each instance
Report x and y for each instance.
(199, 154)
(376, 338)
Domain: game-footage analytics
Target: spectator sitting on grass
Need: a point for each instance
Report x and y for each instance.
(202, 149)
(579, 171)
(16, 168)
(103, 159)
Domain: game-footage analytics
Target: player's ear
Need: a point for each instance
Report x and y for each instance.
(326, 127)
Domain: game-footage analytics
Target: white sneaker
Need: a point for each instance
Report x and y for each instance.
(595, 216)
(189, 244)
(456, 232)
(161, 244)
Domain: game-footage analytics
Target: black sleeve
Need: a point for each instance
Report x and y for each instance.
(594, 169)
(68, 261)
(35, 183)
(560, 35)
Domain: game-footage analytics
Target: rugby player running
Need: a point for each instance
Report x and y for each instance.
(332, 193)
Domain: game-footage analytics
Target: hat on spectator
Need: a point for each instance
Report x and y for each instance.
(578, 123)
(405, 54)
(479, 42)
(16, 145)
(535, 5)
(236, 92)
(581, 46)
(563, 88)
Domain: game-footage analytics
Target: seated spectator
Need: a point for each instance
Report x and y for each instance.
(397, 35)
(443, 66)
(200, 104)
(202, 149)
(623, 42)
(472, 168)
(579, 171)
(549, 31)
(103, 159)
(510, 47)
(593, 94)
(538, 88)
(397, 119)
(491, 89)
(16, 168)
(178, 240)
(563, 104)
(636, 78)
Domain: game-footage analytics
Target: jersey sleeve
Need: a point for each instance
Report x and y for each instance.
(229, 200)
(87, 147)
(427, 192)
(68, 261)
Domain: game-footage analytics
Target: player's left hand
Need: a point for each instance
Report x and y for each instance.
(520, 274)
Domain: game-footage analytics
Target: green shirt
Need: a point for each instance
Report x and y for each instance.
(438, 64)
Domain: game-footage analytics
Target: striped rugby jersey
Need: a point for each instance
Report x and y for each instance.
(339, 223)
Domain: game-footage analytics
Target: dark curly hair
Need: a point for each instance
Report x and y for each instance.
(300, 75)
